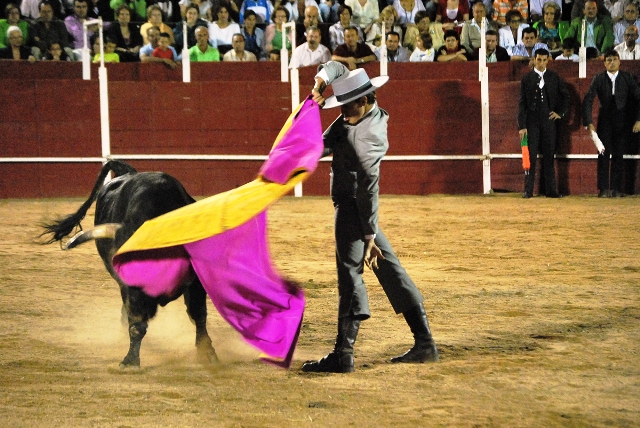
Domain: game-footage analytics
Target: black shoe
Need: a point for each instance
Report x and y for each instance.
(333, 363)
(527, 195)
(617, 194)
(554, 195)
(419, 354)
(604, 194)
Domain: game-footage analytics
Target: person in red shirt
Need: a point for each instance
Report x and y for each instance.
(163, 51)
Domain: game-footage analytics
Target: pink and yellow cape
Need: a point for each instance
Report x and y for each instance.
(223, 240)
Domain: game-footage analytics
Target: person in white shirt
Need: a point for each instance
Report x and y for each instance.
(568, 50)
(238, 53)
(424, 49)
(629, 49)
(311, 52)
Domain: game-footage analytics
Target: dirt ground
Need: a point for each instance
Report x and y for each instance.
(534, 304)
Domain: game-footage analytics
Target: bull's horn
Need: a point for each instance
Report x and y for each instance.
(103, 231)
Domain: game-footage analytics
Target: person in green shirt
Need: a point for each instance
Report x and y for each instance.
(12, 12)
(202, 51)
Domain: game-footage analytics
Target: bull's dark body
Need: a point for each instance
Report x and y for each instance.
(130, 199)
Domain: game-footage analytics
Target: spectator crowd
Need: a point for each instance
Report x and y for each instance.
(349, 31)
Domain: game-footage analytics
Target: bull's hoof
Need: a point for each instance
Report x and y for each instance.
(207, 355)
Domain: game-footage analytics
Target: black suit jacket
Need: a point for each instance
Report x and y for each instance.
(557, 95)
(627, 95)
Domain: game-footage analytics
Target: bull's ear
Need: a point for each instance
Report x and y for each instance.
(103, 231)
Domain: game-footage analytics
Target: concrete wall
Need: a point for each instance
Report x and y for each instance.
(230, 108)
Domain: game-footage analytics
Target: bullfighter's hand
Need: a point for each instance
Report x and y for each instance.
(317, 91)
(636, 126)
(522, 133)
(554, 116)
(371, 254)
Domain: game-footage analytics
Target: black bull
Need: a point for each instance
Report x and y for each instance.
(122, 206)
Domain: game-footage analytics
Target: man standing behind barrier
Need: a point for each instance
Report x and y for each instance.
(617, 90)
(358, 141)
(543, 100)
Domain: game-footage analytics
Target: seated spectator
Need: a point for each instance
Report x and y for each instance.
(599, 31)
(100, 9)
(74, 24)
(311, 19)
(536, 9)
(262, 8)
(30, 9)
(273, 34)
(336, 31)
(470, 35)
(126, 36)
(110, 54)
(222, 30)
(452, 50)
(15, 50)
(630, 18)
(364, 14)
(389, 16)
(146, 52)
(203, 7)
(232, 8)
(203, 51)
(253, 36)
(164, 49)
(511, 34)
(274, 55)
(424, 51)
(502, 7)
(154, 14)
(568, 50)
(406, 10)
(138, 8)
(351, 53)
(495, 53)
(311, 52)
(394, 52)
(452, 13)
(12, 12)
(550, 30)
(530, 44)
(423, 25)
(56, 53)
(238, 53)
(193, 20)
(46, 30)
(629, 49)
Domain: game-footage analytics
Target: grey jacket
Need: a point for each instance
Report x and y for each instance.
(357, 151)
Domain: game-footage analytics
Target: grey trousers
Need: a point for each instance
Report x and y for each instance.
(350, 246)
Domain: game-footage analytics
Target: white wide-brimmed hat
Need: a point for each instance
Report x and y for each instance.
(351, 86)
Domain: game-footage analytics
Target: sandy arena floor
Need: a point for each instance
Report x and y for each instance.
(535, 306)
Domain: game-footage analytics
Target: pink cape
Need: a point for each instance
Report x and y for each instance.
(234, 265)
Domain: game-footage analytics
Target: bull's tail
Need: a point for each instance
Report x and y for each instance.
(66, 225)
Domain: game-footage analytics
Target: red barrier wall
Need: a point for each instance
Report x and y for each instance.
(238, 108)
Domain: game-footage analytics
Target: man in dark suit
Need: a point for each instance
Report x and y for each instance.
(619, 97)
(543, 100)
(358, 141)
